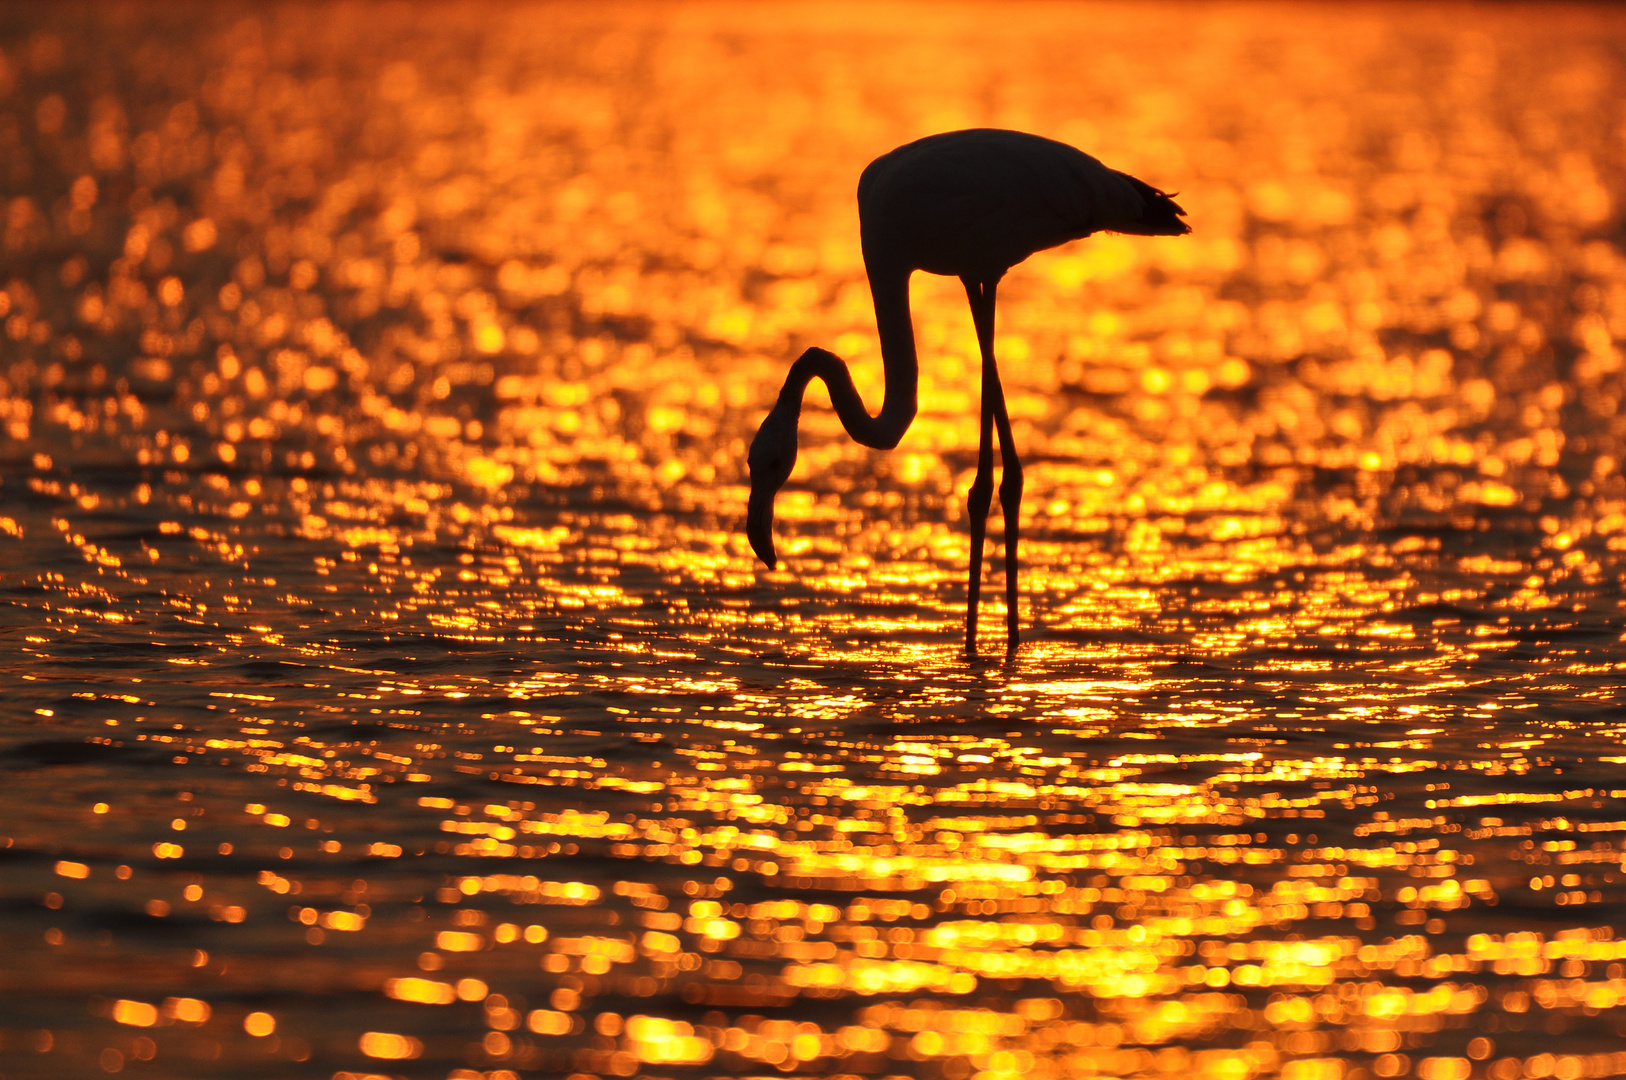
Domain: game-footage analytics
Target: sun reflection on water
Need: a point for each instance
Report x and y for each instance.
(391, 689)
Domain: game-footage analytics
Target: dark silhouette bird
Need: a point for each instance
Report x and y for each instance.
(971, 205)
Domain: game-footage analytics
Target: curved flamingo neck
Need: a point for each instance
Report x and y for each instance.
(890, 290)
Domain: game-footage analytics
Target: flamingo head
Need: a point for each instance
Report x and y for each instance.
(772, 457)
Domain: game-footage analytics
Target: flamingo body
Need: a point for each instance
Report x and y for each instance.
(966, 204)
(975, 203)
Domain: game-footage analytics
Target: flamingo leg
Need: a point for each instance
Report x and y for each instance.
(982, 487)
(1010, 502)
(1010, 483)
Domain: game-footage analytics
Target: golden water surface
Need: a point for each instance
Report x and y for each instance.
(387, 687)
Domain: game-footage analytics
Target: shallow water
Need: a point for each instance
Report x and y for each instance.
(389, 688)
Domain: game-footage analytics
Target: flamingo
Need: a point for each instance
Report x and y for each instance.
(971, 205)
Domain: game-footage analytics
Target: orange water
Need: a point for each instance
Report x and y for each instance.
(389, 689)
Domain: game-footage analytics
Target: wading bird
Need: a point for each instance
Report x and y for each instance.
(971, 205)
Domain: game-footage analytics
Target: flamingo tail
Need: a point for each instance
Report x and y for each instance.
(1161, 215)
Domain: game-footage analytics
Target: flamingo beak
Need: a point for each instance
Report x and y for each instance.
(759, 525)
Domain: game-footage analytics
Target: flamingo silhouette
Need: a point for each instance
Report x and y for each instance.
(971, 205)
